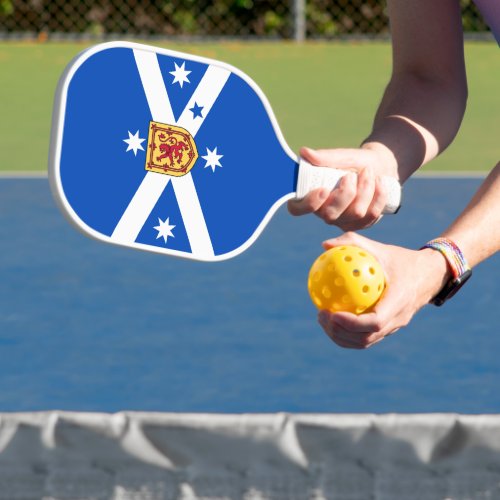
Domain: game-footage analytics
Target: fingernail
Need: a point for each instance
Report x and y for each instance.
(306, 150)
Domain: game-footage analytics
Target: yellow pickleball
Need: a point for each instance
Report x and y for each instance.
(346, 278)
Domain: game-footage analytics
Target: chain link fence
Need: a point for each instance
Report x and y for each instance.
(284, 19)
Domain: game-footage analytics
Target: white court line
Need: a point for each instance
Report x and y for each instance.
(153, 185)
(12, 174)
(431, 174)
(454, 174)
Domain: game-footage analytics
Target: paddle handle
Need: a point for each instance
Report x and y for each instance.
(311, 177)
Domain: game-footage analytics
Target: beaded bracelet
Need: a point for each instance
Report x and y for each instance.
(452, 254)
(459, 267)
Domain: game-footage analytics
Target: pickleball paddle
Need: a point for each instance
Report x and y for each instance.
(172, 153)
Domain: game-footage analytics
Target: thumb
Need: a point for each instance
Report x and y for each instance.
(335, 158)
(349, 238)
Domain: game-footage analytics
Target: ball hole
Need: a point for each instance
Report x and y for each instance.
(366, 289)
(348, 258)
(356, 273)
(339, 281)
(362, 254)
(372, 270)
(327, 293)
(379, 287)
(360, 309)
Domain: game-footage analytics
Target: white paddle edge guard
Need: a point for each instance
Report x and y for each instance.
(312, 177)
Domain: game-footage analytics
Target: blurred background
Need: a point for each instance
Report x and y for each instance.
(336, 52)
(283, 19)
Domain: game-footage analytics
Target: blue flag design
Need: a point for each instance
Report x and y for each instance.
(167, 152)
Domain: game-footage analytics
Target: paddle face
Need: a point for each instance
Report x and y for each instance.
(166, 152)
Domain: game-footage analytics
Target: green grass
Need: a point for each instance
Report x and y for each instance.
(323, 94)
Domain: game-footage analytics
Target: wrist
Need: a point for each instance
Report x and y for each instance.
(387, 163)
(437, 272)
(458, 268)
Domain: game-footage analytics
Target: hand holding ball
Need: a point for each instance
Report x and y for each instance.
(346, 278)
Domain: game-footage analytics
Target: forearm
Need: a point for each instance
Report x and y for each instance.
(424, 103)
(416, 121)
(477, 230)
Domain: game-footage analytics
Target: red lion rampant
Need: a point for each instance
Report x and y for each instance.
(172, 149)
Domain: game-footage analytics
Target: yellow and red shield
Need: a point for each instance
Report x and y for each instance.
(171, 150)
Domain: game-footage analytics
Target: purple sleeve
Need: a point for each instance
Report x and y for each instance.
(490, 9)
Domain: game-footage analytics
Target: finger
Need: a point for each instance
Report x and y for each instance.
(379, 201)
(310, 203)
(342, 340)
(339, 199)
(353, 341)
(394, 310)
(357, 340)
(336, 158)
(349, 338)
(344, 344)
(366, 324)
(374, 211)
(358, 215)
(348, 238)
(339, 335)
(365, 190)
(384, 319)
(362, 340)
(312, 156)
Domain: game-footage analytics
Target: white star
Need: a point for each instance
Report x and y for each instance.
(180, 74)
(164, 229)
(212, 159)
(134, 142)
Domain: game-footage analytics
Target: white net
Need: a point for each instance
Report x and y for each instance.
(152, 456)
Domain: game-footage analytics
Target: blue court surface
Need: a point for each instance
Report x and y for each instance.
(92, 327)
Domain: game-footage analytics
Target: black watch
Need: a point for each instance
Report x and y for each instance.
(451, 288)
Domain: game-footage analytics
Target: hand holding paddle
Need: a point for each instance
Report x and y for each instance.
(173, 153)
(358, 201)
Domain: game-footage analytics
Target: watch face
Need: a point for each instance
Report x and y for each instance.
(451, 288)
